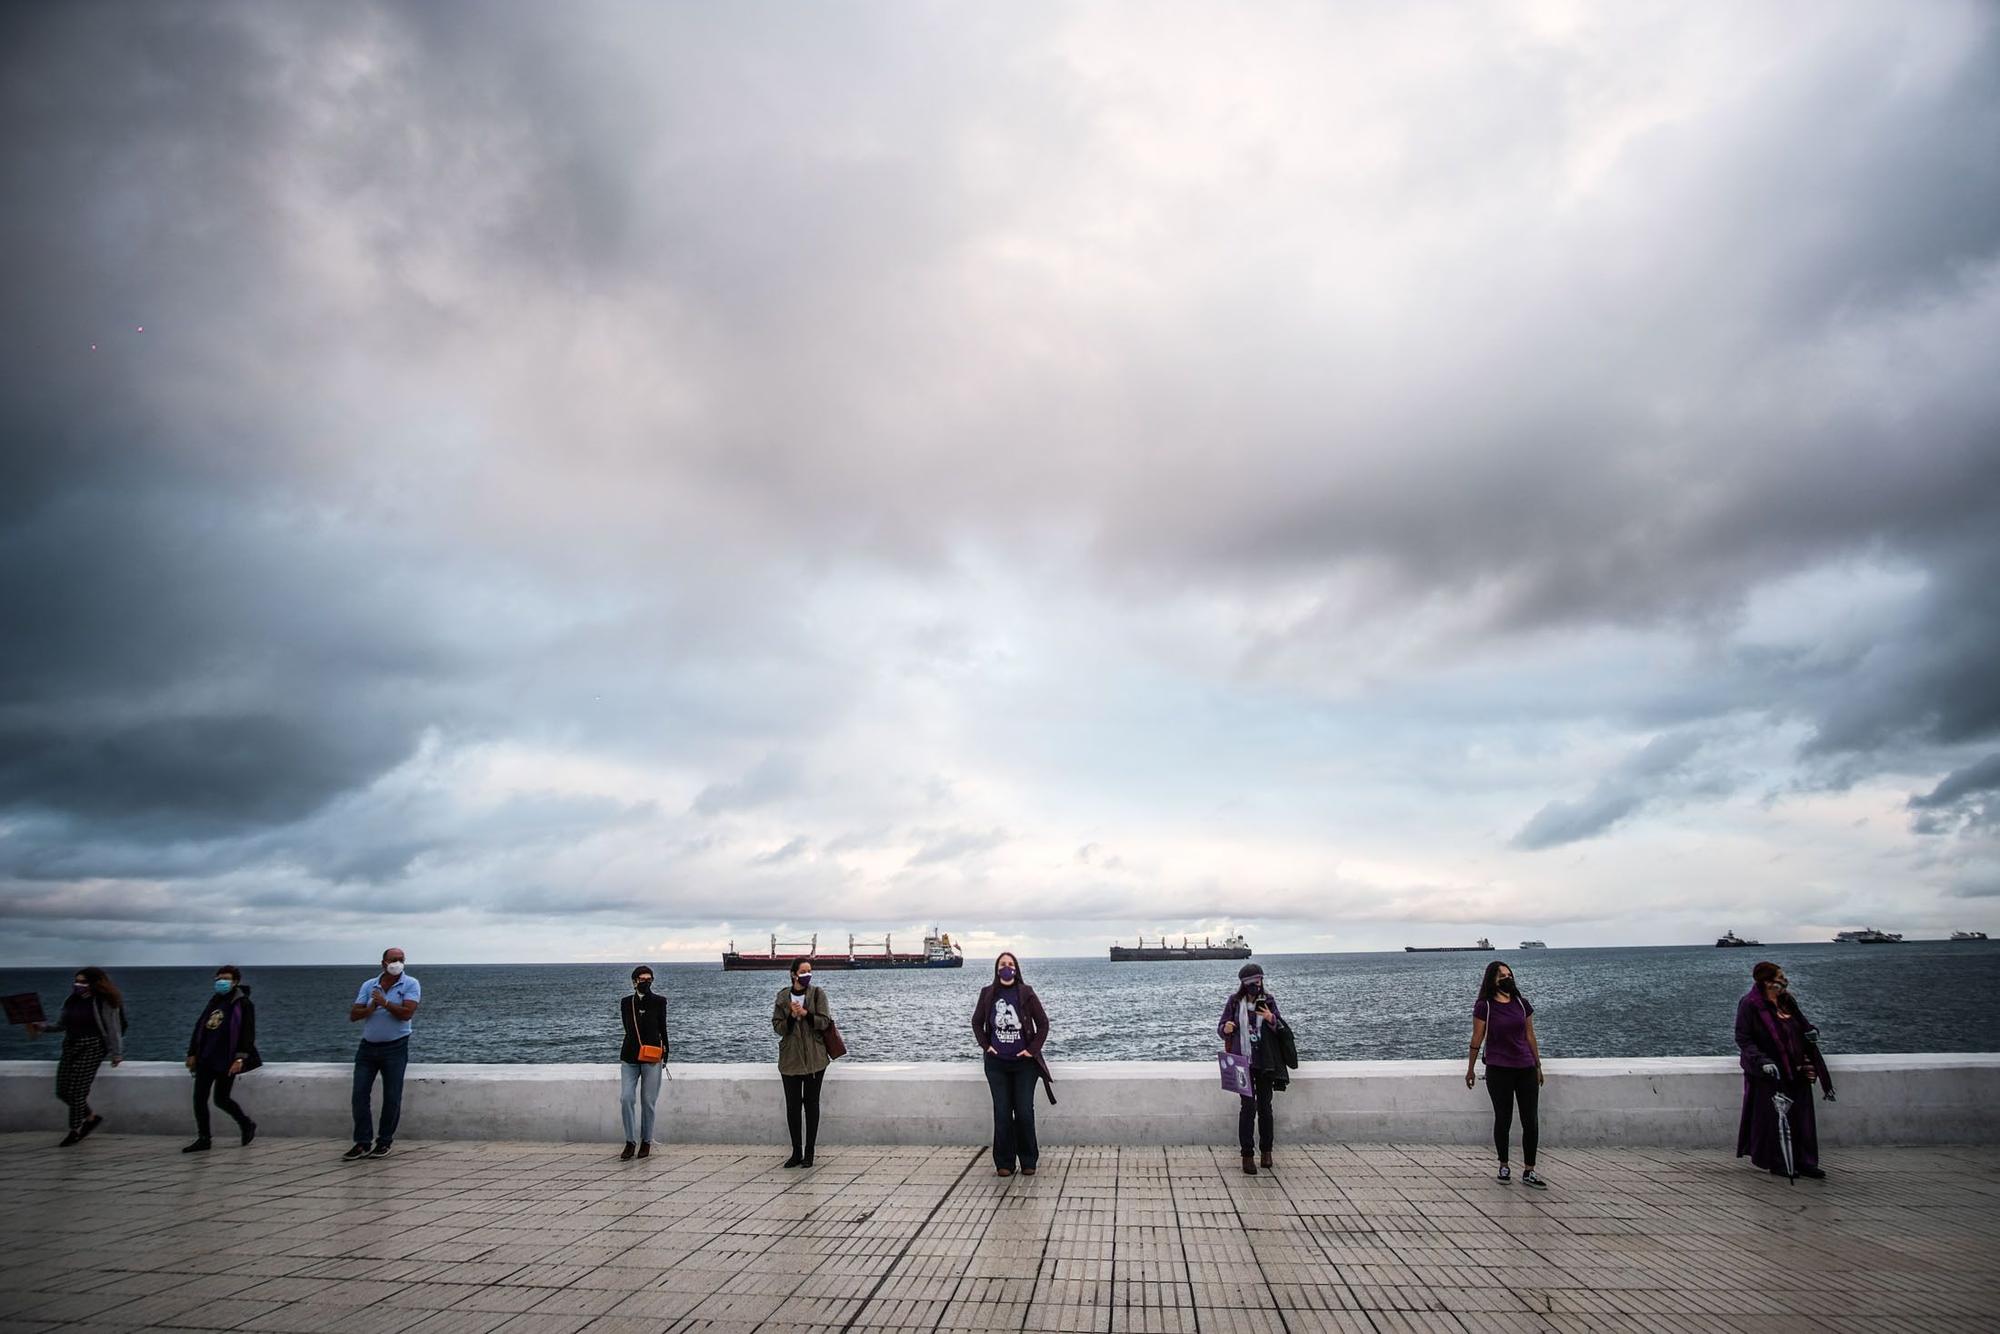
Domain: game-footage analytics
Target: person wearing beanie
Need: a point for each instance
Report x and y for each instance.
(643, 1016)
(1251, 1026)
(1778, 1048)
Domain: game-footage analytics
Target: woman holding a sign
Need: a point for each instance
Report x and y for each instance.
(93, 1026)
(641, 1059)
(1257, 1051)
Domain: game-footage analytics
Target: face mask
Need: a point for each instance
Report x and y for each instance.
(643, 984)
(222, 986)
(1007, 976)
(802, 983)
(1254, 987)
(1505, 986)
(394, 969)
(80, 988)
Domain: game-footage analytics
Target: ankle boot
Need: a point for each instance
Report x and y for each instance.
(1249, 1165)
(1265, 1158)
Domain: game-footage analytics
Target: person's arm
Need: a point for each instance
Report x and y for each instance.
(194, 1036)
(1225, 1027)
(1533, 1045)
(364, 1004)
(246, 1036)
(403, 1009)
(109, 1019)
(1031, 1045)
(660, 1003)
(781, 1014)
(1750, 1053)
(981, 1035)
(820, 1012)
(1478, 1041)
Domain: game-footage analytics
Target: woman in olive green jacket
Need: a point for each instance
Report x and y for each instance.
(800, 1017)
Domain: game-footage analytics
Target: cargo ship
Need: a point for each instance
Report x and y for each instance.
(1484, 946)
(1729, 940)
(938, 952)
(1868, 936)
(1232, 947)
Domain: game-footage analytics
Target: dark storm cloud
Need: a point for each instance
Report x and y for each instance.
(1963, 799)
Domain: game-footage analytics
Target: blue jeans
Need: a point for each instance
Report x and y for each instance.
(1012, 1084)
(643, 1079)
(389, 1059)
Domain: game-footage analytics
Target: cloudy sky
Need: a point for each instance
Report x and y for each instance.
(539, 482)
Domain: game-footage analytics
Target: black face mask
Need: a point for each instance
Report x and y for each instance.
(643, 985)
(1504, 985)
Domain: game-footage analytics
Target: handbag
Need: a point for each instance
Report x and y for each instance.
(1235, 1069)
(836, 1045)
(648, 1055)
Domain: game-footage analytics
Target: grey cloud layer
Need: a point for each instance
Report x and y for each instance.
(557, 377)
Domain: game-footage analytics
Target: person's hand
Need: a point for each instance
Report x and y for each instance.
(236, 1066)
(1471, 1080)
(1024, 1055)
(190, 1062)
(1770, 1070)
(1828, 1096)
(118, 1060)
(993, 1052)
(1538, 1076)
(1229, 1028)
(378, 1000)
(34, 1030)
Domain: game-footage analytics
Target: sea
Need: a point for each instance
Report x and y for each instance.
(1922, 996)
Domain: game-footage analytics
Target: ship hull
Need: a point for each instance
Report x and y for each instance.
(1447, 949)
(1132, 954)
(768, 963)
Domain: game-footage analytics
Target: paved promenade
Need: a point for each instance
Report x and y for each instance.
(126, 1232)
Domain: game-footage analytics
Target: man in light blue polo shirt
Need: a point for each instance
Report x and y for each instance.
(383, 1009)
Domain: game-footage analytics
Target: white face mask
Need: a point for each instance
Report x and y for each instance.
(394, 968)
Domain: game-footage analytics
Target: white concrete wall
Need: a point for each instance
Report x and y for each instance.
(1678, 1100)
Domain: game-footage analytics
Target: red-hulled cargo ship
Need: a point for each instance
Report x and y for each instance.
(938, 952)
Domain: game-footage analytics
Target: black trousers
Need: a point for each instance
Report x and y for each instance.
(1013, 1084)
(1507, 1085)
(802, 1096)
(210, 1081)
(1256, 1114)
(75, 1072)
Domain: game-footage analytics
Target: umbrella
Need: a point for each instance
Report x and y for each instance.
(1784, 1106)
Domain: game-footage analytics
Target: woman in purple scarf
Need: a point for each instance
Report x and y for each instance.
(222, 1046)
(1779, 1051)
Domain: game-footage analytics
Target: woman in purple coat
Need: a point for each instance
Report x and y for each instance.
(1779, 1051)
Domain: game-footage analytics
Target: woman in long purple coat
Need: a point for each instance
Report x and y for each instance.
(1779, 1051)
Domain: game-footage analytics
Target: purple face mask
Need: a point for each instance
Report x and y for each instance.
(1007, 975)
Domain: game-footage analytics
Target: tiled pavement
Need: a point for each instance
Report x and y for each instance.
(128, 1233)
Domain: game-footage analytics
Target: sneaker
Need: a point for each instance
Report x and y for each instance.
(357, 1152)
(630, 1149)
(1816, 1173)
(379, 1151)
(646, 1149)
(69, 1139)
(1506, 1173)
(93, 1123)
(249, 1132)
(1528, 1178)
(199, 1146)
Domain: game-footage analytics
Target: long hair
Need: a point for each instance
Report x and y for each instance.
(102, 985)
(1486, 988)
(1020, 975)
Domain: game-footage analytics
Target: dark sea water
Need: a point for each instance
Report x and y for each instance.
(1666, 1001)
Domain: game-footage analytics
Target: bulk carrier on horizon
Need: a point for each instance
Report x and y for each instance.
(1232, 947)
(938, 952)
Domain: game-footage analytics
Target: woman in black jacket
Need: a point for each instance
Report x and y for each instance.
(1010, 1027)
(222, 1046)
(644, 1019)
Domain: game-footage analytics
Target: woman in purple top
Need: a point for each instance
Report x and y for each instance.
(1779, 1050)
(1010, 1027)
(1504, 1022)
(1251, 1026)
